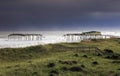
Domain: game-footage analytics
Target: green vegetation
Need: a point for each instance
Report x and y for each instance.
(49, 60)
(92, 33)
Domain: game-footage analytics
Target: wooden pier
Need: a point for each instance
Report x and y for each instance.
(77, 37)
(27, 37)
(93, 50)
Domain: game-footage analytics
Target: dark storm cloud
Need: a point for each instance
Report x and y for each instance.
(18, 14)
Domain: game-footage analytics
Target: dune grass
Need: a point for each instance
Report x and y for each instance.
(47, 61)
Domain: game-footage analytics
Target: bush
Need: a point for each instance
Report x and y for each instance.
(35, 73)
(113, 56)
(85, 56)
(76, 55)
(108, 51)
(51, 65)
(64, 69)
(54, 72)
(95, 63)
(118, 62)
(76, 69)
(68, 62)
(83, 66)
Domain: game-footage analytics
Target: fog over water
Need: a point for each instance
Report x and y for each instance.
(49, 37)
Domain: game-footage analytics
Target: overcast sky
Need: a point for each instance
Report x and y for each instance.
(45, 15)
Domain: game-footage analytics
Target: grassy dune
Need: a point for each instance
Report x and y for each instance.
(50, 61)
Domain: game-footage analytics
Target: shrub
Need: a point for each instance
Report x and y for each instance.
(83, 66)
(118, 69)
(68, 62)
(51, 74)
(64, 69)
(116, 62)
(76, 55)
(108, 51)
(51, 65)
(54, 72)
(95, 63)
(76, 69)
(116, 74)
(85, 56)
(35, 73)
(113, 56)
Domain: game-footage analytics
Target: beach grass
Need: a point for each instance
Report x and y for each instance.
(46, 60)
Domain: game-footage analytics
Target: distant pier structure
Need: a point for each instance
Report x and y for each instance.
(26, 37)
(77, 37)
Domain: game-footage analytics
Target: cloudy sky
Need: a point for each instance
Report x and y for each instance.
(45, 15)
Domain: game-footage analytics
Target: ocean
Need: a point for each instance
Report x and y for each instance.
(49, 37)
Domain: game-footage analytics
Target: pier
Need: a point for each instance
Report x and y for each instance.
(77, 37)
(27, 37)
